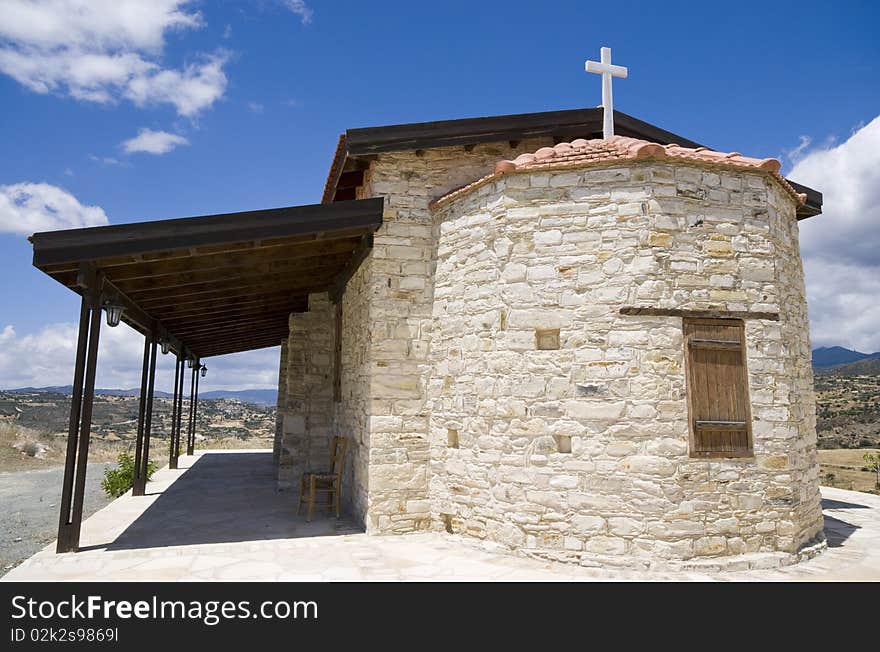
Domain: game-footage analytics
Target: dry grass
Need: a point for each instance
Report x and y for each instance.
(227, 443)
(19, 449)
(842, 468)
(17, 445)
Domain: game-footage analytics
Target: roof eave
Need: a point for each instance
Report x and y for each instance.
(369, 141)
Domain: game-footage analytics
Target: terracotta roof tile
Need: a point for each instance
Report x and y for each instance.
(581, 152)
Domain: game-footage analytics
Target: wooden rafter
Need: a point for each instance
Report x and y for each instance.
(215, 284)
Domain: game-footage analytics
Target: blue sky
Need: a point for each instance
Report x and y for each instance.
(236, 105)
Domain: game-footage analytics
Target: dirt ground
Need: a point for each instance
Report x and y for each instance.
(841, 468)
(30, 508)
(49, 449)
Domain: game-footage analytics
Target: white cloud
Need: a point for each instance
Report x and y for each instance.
(255, 107)
(105, 50)
(301, 9)
(191, 90)
(248, 370)
(31, 207)
(796, 153)
(841, 247)
(50, 356)
(105, 160)
(153, 142)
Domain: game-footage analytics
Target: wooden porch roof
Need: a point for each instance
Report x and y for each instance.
(216, 284)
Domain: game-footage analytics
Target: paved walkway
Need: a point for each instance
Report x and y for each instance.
(219, 518)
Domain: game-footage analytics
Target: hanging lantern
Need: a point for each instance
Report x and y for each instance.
(166, 346)
(204, 371)
(114, 313)
(190, 361)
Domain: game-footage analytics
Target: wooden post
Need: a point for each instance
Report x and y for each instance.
(148, 418)
(172, 453)
(192, 405)
(85, 428)
(64, 523)
(179, 419)
(139, 481)
(81, 402)
(195, 414)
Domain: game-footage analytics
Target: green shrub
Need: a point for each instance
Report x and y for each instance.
(31, 449)
(872, 463)
(119, 480)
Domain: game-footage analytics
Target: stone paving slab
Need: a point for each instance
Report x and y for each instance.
(219, 517)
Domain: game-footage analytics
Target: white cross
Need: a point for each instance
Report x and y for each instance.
(607, 71)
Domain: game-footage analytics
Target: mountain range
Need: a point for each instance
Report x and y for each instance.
(830, 356)
(255, 396)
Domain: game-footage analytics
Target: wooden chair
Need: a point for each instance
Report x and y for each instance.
(325, 482)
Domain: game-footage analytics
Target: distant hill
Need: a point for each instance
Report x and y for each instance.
(866, 367)
(255, 396)
(837, 355)
(67, 389)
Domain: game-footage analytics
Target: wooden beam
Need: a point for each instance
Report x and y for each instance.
(345, 194)
(322, 276)
(247, 345)
(242, 343)
(254, 319)
(164, 306)
(361, 163)
(715, 345)
(471, 131)
(720, 425)
(233, 345)
(292, 268)
(698, 314)
(244, 323)
(187, 329)
(217, 308)
(238, 260)
(351, 179)
(206, 343)
(249, 291)
(182, 234)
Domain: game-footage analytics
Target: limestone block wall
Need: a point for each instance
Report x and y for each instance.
(279, 407)
(401, 295)
(581, 452)
(351, 415)
(308, 408)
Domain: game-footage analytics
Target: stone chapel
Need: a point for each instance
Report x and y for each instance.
(586, 349)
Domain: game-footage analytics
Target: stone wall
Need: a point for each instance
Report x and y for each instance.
(401, 289)
(581, 452)
(351, 417)
(308, 409)
(279, 406)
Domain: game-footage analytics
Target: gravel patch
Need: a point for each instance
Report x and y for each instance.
(29, 506)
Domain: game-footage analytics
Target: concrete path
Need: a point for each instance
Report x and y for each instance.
(219, 518)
